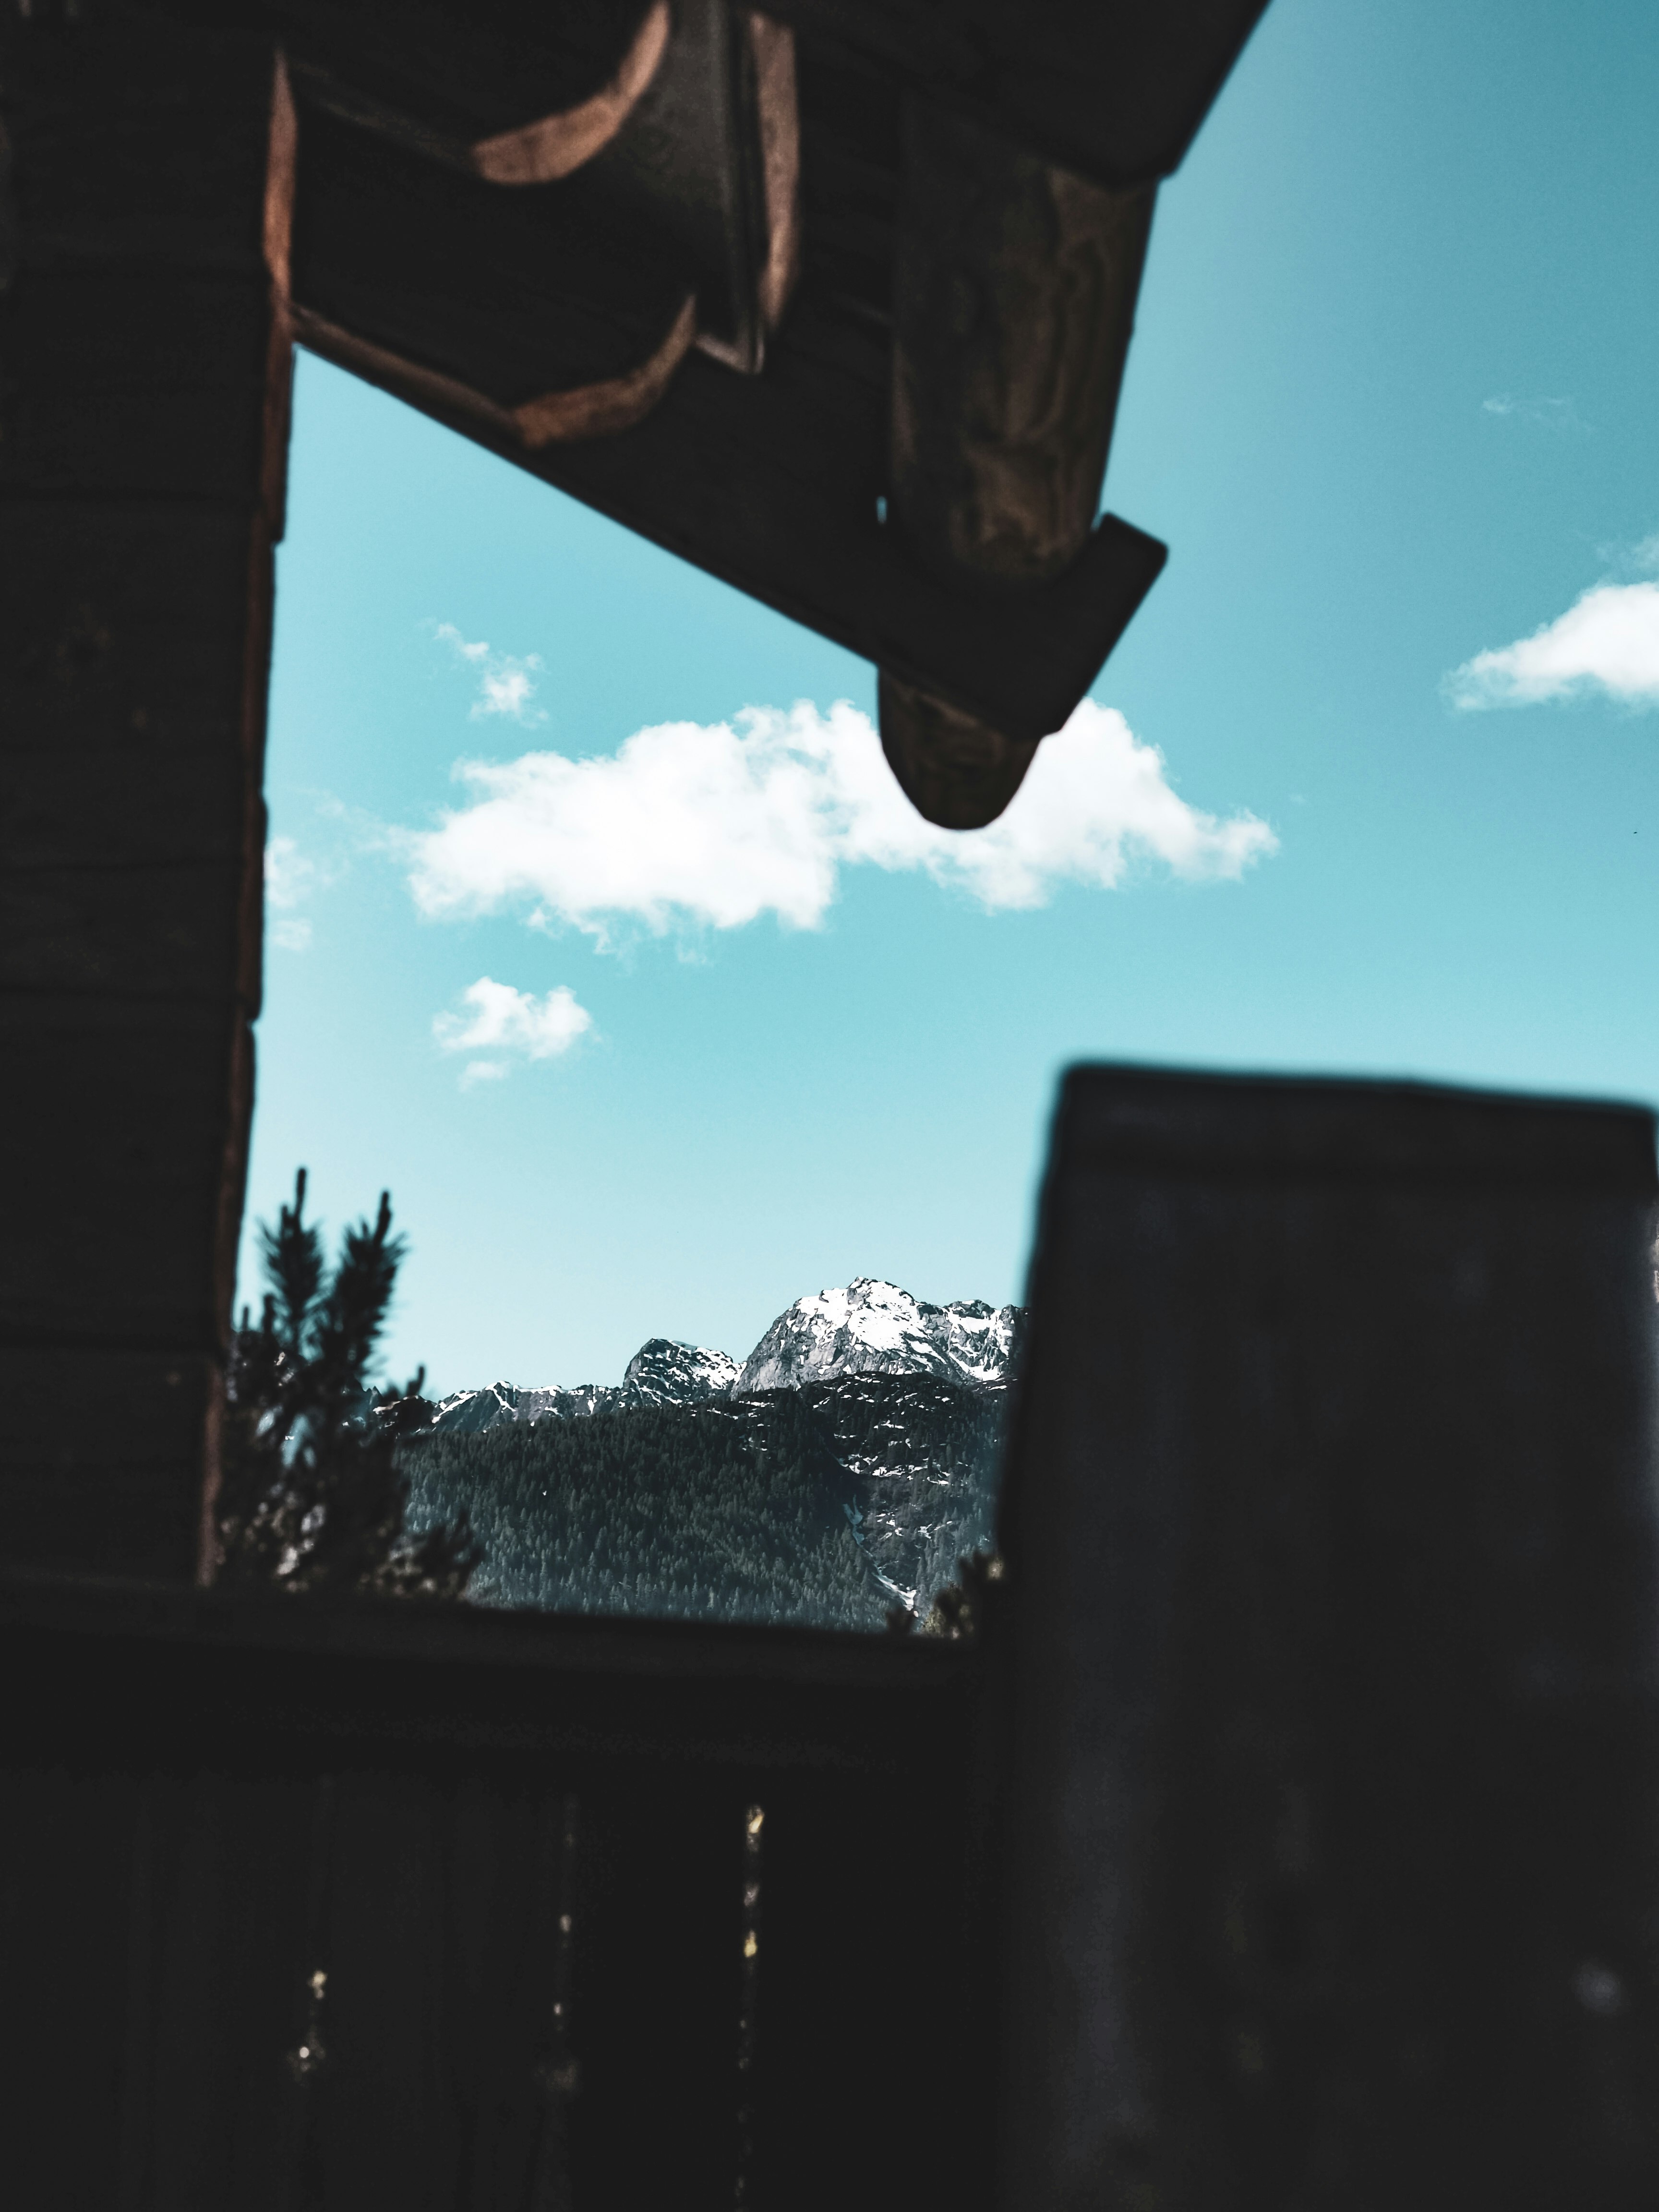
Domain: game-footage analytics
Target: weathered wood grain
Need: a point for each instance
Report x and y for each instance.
(1014, 286)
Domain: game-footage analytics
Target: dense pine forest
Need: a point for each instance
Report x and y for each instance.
(849, 1501)
(832, 1506)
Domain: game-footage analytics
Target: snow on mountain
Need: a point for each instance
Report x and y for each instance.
(664, 1373)
(902, 1405)
(660, 1373)
(466, 1412)
(867, 1328)
(876, 1328)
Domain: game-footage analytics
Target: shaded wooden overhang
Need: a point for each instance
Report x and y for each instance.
(833, 301)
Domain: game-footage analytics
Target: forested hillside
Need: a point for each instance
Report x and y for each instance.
(826, 1505)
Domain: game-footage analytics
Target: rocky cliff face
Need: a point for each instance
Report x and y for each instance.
(664, 1373)
(922, 1456)
(469, 1410)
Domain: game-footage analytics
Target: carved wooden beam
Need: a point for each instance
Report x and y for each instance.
(691, 149)
(1014, 286)
(771, 483)
(1112, 89)
(544, 312)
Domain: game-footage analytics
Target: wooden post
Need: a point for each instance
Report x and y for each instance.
(145, 352)
(1333, 1854)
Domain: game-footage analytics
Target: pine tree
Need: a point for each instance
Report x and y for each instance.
(311, 1495)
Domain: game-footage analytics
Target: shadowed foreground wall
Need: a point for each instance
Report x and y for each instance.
(143, 378)
(1332, 1522)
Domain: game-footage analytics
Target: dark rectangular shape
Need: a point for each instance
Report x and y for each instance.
(136, 384)
(287, 1888)
(142, 429)
(111, 1236)
(126, 629)
(1115, 89)
(1332, 1525)
(163, 933)
(136, 139)
(101, 1470)
(66, 1856)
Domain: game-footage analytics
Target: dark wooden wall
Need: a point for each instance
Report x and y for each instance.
(144, 382)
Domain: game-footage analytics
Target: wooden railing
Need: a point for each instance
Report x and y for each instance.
(388, 1907)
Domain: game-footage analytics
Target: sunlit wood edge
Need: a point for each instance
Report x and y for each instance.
(586, 410)
(556, 145)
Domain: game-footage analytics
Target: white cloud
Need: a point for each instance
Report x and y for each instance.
(290, 878)
(507, 683)
(717, 824)
(1608, 642)
(515, 1022)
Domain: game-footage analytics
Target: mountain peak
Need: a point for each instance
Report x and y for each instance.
(867, 1327)
(874, 1327)
(664, 1372)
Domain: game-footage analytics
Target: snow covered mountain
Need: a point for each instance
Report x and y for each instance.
(876, 1328)
(898, 1406)
(466, 1412)
(664, 1373)
(660, 1373)
(867, 1328)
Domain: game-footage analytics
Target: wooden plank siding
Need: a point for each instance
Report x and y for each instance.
(145, 365)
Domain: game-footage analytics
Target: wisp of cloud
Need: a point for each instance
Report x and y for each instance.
(1549, 414)
(717, 824)
(515, 1024)
(507, 681)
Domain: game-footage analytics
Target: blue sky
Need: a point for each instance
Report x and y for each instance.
(1391, 401)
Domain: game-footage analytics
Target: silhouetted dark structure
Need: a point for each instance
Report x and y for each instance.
(699, 267)
(1284, 1836)
(1331, 1524)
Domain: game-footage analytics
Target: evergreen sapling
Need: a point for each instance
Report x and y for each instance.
(311, 1494)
